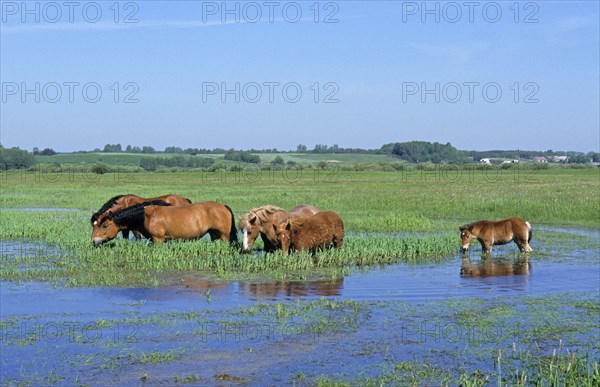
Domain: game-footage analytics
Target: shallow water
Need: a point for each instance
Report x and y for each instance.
(101, 334)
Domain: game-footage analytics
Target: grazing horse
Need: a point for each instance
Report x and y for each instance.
(310, 233)
(490, 233)
(489, 267)
(191, 222)
(260, 220)
(162, 222)
(120, 202)
(107, 227)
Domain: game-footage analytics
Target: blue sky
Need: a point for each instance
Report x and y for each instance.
(370, 60)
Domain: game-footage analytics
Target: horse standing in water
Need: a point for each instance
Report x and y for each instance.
(259, 221)
(119, 202)
(161, 222)
(311, 233)
(490, 233)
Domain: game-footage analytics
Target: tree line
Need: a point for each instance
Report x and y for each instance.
(412, 151)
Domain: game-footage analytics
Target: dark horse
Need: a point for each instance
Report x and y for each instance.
(161, 222)
(119, 202)
(108, 225)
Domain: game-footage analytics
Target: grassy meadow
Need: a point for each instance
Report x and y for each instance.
(390, 217)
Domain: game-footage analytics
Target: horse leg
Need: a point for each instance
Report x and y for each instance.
(214, 235)
(338, 242)
(125, 234)
(486, 247)
(137, 235)
(158, 239)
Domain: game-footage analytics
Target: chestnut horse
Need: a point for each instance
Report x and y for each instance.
(490, 233)
(310, 233)
(260, 220)
(191, 222)
(120, 202)
(109, 224)
(162, 222)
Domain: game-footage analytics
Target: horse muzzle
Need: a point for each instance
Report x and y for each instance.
(97, 242)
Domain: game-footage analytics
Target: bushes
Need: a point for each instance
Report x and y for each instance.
(15, 158)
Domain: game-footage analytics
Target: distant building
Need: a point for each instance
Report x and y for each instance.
(560, 159)
(485, 161)
(540, 159)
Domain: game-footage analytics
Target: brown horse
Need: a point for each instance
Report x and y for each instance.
(259, 221)
(120, 202)
(489, 267)
(191, 222)
(311, 233)
(490, 233)
(109, 225)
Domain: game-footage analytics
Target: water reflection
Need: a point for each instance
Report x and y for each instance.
(264, 290)
(490, 267)
(292, 289)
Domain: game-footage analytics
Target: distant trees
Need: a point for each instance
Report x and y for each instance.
(112, 148)
(15, 158)
(241, 156)
(152, 163)
(422, 151)
(47, 152)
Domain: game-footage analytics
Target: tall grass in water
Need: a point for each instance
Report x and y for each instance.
(58, 246)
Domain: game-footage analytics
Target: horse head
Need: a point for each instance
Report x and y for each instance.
(104, 229)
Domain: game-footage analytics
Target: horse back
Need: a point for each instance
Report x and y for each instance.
(499, 230)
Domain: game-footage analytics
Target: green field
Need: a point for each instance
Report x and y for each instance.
(133, 159)
(389, 217)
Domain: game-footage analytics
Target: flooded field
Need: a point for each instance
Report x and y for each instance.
(399, 323)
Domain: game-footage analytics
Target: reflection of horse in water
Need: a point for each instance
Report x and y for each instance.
(293, 288)
(490, 267)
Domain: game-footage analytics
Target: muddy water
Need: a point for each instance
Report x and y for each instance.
(232, 330)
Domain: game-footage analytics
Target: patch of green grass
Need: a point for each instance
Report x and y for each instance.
(389, 218)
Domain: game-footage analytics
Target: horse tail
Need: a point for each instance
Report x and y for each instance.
(233, 237)
(530, 232)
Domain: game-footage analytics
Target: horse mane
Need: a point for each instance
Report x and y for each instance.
(105, 207)
(133, 217)
(262, 213)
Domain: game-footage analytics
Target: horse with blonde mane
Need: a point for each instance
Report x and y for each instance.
(260, 220)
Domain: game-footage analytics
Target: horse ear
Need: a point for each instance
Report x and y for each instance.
(275, 227)
(110, 215)
(252, 220)
(462, 228)
(288, 226)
